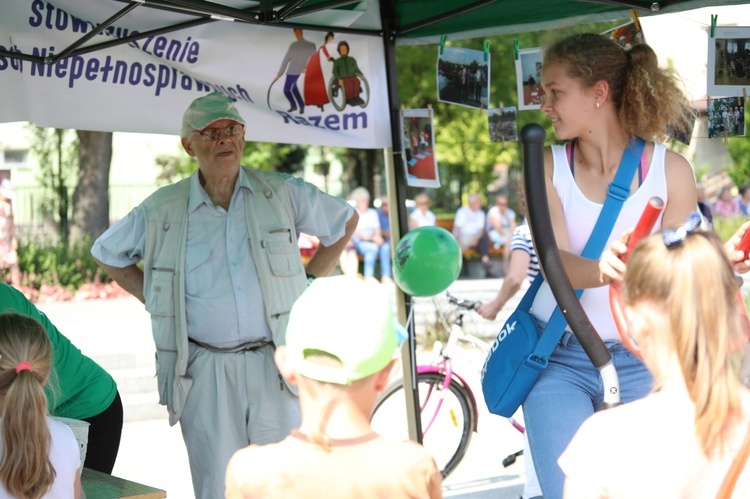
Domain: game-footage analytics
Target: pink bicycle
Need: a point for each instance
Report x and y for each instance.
(448, 407)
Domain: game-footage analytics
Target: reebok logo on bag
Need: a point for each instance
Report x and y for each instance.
(504, 333)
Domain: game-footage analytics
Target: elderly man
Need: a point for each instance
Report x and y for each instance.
(469, 229)
(501, 222)
(221, 269)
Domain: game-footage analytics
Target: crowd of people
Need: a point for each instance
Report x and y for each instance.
(272, 367)
(729, 202)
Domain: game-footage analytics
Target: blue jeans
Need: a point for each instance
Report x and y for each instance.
(371, 252)
(567, 392)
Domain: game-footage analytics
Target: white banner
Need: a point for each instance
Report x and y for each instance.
(282, 79)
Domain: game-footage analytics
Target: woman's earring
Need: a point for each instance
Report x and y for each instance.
(597, 104)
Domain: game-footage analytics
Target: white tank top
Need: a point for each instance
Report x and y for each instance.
(581, 215)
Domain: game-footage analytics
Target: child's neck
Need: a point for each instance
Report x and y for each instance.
(344, 418)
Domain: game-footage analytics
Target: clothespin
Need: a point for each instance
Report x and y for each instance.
(486, 50)
(634, 15)
(515, 49)
(443, 39)
(713, 23)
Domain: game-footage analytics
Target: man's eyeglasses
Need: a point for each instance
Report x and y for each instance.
(212, 134)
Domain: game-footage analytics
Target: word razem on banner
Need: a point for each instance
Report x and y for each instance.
(291, 86)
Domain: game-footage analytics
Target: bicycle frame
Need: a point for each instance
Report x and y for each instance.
(445, 368)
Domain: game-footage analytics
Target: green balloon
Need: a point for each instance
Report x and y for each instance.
(427, 261)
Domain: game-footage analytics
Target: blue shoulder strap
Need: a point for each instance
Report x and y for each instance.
(617, 193)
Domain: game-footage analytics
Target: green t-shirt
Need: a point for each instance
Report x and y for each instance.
(79, 388)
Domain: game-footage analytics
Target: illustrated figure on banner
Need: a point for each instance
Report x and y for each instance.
(314, 83)
(347, 72)
(294, 63)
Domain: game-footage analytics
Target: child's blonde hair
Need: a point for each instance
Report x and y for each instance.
(647, 97)
(25, 364)
(693, 283)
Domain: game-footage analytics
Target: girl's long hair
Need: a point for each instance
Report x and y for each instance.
(25, 470)
(650, 101)
(694, 285)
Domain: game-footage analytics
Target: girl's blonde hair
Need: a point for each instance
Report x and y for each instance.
(694, 285)
(648, 98)
(25, 470)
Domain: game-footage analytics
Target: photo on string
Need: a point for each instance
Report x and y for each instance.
(626, 35)
(418, 146)
(726, 117)
(528, 76)
(502, 124)
(463, 77)
(728, 64)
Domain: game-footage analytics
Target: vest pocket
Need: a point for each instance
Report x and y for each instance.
(280, 245)
(160, 292)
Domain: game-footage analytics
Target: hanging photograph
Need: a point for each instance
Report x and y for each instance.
(684, 136)
(626, 35)
(418, 144)
(502, 124)
(463, 77)
(726, 117)
(728, 65)
(528, 74)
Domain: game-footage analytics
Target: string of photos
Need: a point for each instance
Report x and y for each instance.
(463, 78)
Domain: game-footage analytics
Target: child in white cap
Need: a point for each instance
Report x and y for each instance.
(341, 342)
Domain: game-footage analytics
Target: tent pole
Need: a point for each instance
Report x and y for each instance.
(395, 176)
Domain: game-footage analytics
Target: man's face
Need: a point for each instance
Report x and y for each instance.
(222, 155)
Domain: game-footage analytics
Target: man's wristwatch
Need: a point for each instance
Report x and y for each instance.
(310, 278)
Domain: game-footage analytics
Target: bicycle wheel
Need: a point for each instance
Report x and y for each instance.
(447, 427)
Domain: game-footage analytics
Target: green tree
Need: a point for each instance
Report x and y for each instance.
(57, 152)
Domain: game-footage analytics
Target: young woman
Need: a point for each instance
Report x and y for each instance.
(680, 440)
(40, 456)
(598, 97)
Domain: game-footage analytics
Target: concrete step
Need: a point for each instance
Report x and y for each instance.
(125, 360)
(135, 380)
(142, 407)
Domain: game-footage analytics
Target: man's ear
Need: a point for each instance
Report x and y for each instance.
(283, 364)
(187, 147)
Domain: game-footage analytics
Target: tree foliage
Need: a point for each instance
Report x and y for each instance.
(57, 152)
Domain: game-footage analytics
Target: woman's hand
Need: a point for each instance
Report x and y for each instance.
(489, 310)
(737, 257)
(611, 266)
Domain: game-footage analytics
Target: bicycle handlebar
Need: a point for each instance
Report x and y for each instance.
(463, 303)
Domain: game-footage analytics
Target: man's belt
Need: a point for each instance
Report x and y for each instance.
(244, 347)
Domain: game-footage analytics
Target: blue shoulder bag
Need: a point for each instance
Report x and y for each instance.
(520, 352)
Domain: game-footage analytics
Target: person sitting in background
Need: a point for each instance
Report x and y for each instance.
(40, 456)
(82, 389)
(421, 216)
(501, 222)
(367, 241)
(681, 311)
(8, 236)
(341, 343)
(469, 229)
(726, 206)
(744, 200)
(703, 205)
